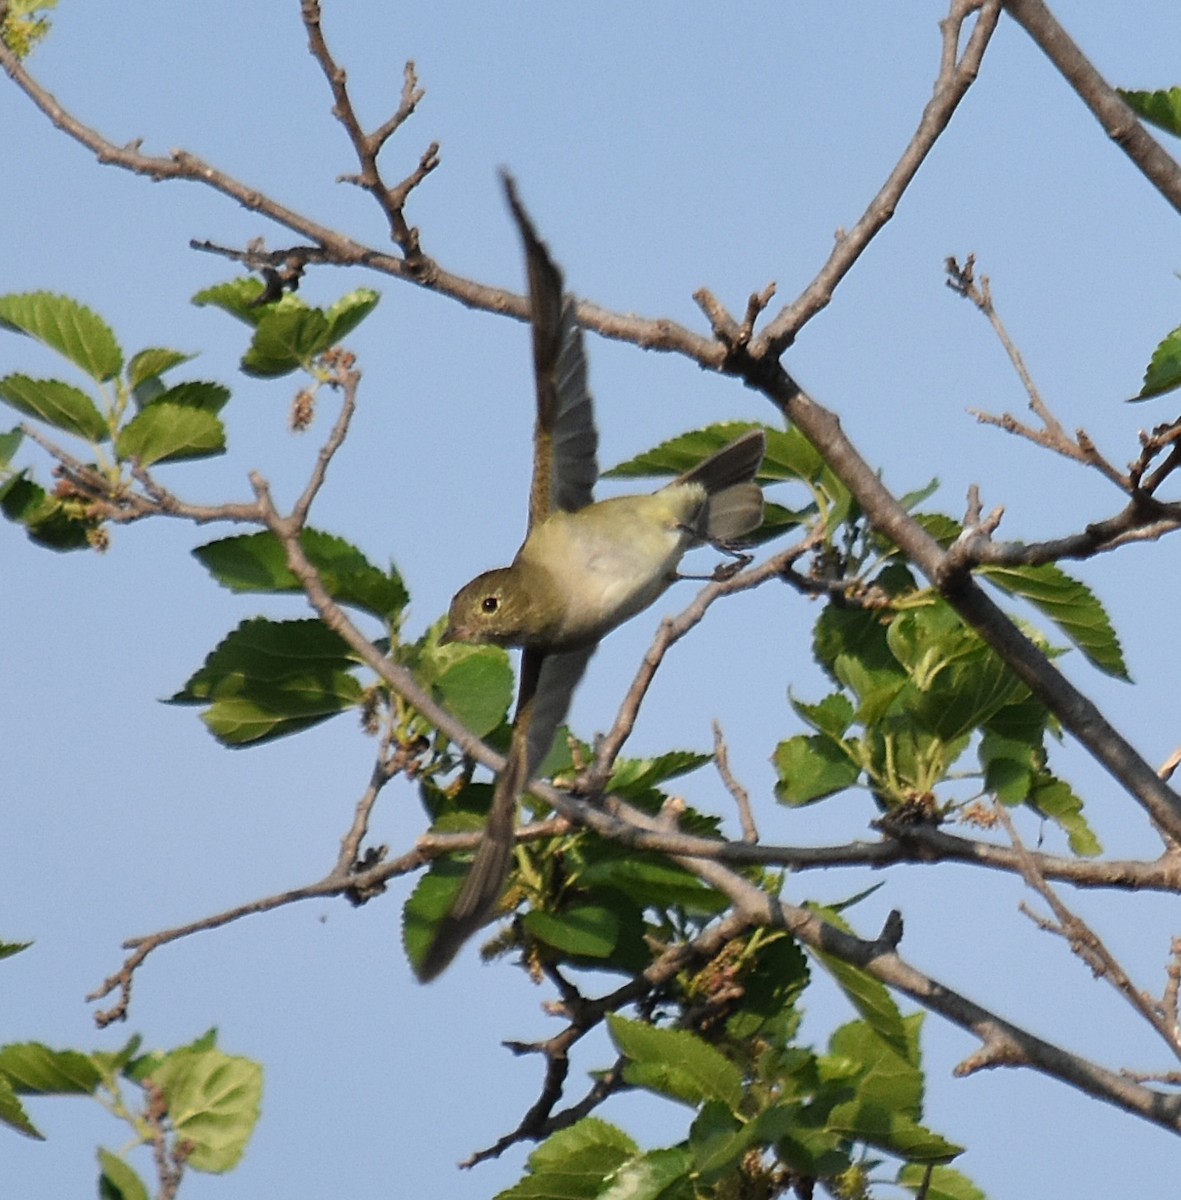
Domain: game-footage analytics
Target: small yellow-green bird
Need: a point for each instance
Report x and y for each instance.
(584, 569)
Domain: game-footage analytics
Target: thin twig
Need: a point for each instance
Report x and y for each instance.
(1086, 943)
(750, 831)
(956, 74)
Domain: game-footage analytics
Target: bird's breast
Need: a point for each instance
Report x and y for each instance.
(612, 559)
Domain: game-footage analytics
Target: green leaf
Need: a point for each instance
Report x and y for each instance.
(165, 432)
(8, 949)
(287, 337)
(64, 325)
(651, 881)
(13, 1115)
(271, 678)
(1071, 605)
(938, 1183)
(719, 1141)
(347, 313)
(1164, 368)
(117, 1180)
(869, 996)
(634, 776)
(476, 687)
(885, 1076)
(584, 930)
(1161, 108)
(676, 1063)
(574, 1162)
(47, 520)
(58, 404)
(238, 297)
(9, 444)
(194, 393)
(1055, 799)
(811, 767)
(891, 1131)
(832, 716)
(153, 362)
(656, 1175)
(213, 1102)
(256, 562)
(789, 454)
(1010, 767)
(34, 1069)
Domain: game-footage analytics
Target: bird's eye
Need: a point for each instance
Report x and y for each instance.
(490, 604)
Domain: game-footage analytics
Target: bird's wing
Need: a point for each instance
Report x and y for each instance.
(548, 681)
(565, 440)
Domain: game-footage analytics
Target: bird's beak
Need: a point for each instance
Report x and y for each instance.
(449, 635)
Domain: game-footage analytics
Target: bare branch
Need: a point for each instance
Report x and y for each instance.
(750, 831)
(1117, 119)
(956, 75)
(1086, 943)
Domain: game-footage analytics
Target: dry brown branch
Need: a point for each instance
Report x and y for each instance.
(1117, 119)
(956, 74)
(750, 831)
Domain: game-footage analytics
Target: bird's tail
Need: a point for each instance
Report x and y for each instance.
(735, 500)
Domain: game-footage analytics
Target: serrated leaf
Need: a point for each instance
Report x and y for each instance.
(885, 1076)
(869, 996)
(61, 323)
(812, 766)
(656, 1175)
(118, 1180)
(347, 313)
(267, 679)
(651, 881)
(574, 1162)
(164, 432)
(891, 1131)
(32, 1068)
(789, 454)
(831, 716)
(45, 518)
(1071, 605)
(1163, 373)
(13, 1115)
(9, 444)
(938, 1183)
(238, 297)
(267, 713)
(476, 688)
(1162, 108)
(676, 1063)
(431, 900)
(58, 404)
(194, 393)
(154, 361)
(1055, 799)
(285, 339)
(584, 930)
(213, 1102)
(719, 1141)
(633, 776)
(256, 562)
(1010, 767)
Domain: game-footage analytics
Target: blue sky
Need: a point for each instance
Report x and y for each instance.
(660, 148)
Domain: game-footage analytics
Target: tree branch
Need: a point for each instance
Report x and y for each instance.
(1117, 119)
(955, 76)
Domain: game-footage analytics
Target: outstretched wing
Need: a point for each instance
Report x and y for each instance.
(565, 440)
(564, 472)
(548, 681)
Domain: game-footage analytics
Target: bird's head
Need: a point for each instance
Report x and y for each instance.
(506, 607)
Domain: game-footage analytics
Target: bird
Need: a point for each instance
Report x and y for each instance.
(584, 568)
